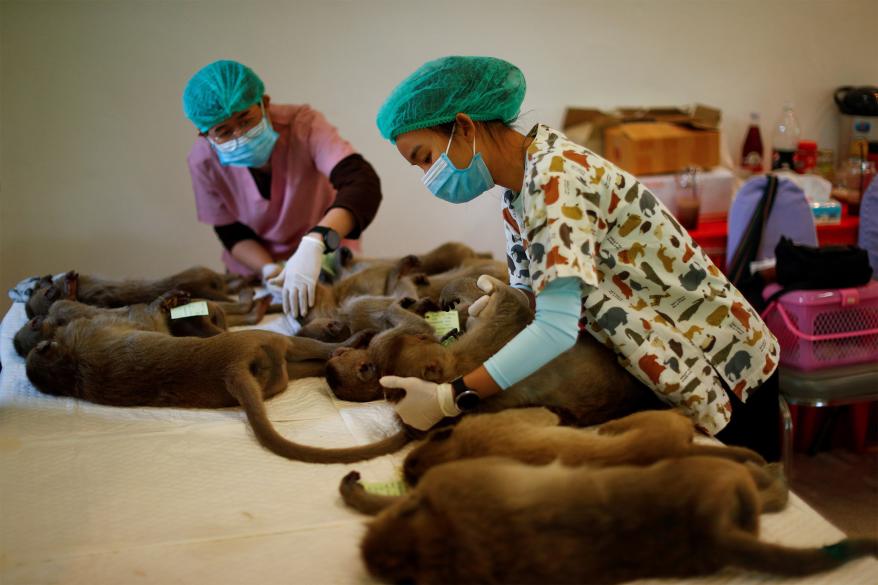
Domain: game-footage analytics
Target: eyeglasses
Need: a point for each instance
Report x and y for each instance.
(232, 130)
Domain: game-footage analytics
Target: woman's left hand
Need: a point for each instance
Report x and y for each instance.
(300, 275)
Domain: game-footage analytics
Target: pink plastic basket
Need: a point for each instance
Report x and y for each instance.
(825, 328)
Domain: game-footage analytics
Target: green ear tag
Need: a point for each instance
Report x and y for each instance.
(195, 309)
(327, 264)
(387, 488)
(443, 321)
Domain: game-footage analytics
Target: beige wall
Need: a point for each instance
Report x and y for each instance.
(93, 140)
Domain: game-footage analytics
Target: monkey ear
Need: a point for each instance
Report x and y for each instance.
(432, 372)
(44, 346)
(366, 371)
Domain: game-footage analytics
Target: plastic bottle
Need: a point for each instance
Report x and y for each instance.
(752, 152)
(785, 139)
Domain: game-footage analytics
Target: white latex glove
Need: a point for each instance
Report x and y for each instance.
(270, 270)
(425, 403)
(487, 285)
(299, 277)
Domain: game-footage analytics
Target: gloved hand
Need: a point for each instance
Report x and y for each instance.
(299, 277)
(425, 403)
(487, 285)
(269, 271)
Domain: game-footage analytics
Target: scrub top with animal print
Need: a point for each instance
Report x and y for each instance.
(649, 291)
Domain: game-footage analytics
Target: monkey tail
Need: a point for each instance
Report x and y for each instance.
(744, 550)
(248, 393)
(355, 496)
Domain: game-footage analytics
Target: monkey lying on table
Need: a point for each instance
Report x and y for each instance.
(533, 435)
(155, 316)
(494, 520)
(112, 363)
(609, 391)
(385, 280)
(199, 282)
(440, 259)
(585, 385)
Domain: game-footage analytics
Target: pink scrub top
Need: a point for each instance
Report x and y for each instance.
(307, 149)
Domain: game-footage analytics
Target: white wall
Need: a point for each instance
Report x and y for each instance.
(93, 143)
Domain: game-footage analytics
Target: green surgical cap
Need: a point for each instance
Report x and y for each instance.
(219, 90)
(484, 88)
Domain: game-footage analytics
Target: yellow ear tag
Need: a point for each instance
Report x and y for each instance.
(195, 309)
(387, 488)
(443, 321)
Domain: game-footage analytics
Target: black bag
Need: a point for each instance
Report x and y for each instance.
(806, 268)
(750, 285)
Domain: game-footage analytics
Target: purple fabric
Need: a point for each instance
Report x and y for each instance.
(868, 238)
(791, 217)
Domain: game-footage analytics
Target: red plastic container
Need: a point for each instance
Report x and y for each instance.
(825, 328)
(806, 157)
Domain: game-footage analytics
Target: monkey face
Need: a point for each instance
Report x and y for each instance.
(43, 295)
(438, 448)
(353, 376)
(34, 331)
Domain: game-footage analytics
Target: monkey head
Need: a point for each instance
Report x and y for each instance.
(352, 375)
(51, 368)
(47, 291)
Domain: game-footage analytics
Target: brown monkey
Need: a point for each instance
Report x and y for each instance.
(359, 313)
(199, 282)
(532, 435)
(353, 374)
(432, 286)
(152, 317)
(440, 259)
(609, 391)
(380, 279)
(155, 316)
(117, 365)
(585, 385)
(493, 520)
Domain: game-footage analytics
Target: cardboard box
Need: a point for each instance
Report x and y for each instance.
(651, 148)
(649, 140)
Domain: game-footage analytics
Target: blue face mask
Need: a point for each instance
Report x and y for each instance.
(251, 149)
(456, 185)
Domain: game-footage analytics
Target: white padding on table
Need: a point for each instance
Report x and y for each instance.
(96, 495)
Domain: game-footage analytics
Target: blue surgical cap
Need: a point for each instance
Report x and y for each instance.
(219, 90)
(484, 88)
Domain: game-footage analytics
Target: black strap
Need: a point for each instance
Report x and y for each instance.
(748, 248)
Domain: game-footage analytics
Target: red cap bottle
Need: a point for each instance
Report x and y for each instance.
(752, 152)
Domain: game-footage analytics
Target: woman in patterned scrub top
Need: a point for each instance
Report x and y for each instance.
(596, 250)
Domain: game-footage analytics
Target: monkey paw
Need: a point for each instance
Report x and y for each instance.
(174, 298)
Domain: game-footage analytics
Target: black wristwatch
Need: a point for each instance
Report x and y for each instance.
(331, 239)
(465, 397)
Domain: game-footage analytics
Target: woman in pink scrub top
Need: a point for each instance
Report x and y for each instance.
(277, 182)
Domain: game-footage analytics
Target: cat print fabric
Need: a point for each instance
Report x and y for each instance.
(649, 291)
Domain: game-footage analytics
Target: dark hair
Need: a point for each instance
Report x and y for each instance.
(492, 127)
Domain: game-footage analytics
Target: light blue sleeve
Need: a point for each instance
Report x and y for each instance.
(552, 332)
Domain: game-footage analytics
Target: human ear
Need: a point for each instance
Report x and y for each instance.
(465, 127)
